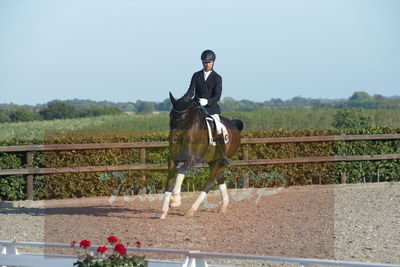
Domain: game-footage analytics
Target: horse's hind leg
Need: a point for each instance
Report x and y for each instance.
(225, 198)
(223, 190)
(216, 175)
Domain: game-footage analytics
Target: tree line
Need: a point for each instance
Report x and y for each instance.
(358, 99)
(52, 111)
(77, 108)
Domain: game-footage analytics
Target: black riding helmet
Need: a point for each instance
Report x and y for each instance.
(208, 55)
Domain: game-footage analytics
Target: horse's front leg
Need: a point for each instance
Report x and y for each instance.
(168, 188)
(181, 171)
(172, 197)
(176, 191)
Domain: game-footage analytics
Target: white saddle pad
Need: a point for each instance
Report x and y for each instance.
(209, 122)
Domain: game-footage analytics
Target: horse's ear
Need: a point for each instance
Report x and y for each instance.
(173, 100)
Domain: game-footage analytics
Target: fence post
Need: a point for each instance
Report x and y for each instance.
(142, 155)
(9, 249)
(142, 159)
(29, 177)
(378, 175)
(245, 156)
(343, 177)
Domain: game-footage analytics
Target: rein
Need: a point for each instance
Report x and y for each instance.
(183, 111)
(177, 111)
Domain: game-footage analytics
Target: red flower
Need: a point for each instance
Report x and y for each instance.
(138, 244)
(120, 249)
(73, 243)
(85, 243)
(102, 249)
(112, 239)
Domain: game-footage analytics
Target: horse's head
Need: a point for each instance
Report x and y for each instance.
(188, 136)
(183, 113)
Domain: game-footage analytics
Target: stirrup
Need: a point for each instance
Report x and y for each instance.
(225, 162)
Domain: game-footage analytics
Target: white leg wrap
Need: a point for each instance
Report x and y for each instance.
(224, 193)
(176, 192)
(165, 206)
(199, 200)
(225, 198)
(178, 183)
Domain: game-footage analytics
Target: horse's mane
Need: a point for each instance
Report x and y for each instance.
(182, 104)
(192, 114)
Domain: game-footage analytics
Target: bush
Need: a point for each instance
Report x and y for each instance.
(58, 110)
(4, 117)
(23, 114)
(98, 111)
(11, 187)
(351, 118)
(368, 171)
(132, 182)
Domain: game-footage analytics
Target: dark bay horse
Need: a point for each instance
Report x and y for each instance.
(189, 147)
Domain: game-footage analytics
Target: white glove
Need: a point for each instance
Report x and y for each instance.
(203, 101)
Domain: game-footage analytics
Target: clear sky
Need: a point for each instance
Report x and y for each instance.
(125, 50)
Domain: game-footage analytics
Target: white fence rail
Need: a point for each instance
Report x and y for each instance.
(10, 256)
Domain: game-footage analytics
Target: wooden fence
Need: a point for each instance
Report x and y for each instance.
(30, 171)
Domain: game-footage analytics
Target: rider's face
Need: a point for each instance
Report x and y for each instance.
(208, 65)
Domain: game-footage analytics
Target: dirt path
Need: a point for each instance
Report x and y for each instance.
(348, 222)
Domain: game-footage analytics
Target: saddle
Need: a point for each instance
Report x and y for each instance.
(212, 128)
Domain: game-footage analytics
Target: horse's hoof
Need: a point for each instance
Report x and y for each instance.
(175, 201)
(174, 204)
(222, 209)
(161, 216)
(190, 213)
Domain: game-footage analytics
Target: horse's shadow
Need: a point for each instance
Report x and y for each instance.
(21, 211)
(96, 211)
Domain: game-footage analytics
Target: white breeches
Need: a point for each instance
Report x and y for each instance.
(218, 123)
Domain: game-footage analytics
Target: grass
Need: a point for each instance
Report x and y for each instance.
(256, 120)
(38, 129)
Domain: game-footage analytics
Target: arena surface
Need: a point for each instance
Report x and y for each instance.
(346, 222)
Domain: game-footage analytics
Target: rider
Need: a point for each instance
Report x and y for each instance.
(206, 85)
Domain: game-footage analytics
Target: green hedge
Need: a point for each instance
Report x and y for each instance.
(368, 171)
(14, 187)
(138, 182)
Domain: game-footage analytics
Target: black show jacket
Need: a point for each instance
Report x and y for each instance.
(211, 89)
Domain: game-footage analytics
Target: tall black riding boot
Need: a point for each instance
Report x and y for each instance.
(222, 149)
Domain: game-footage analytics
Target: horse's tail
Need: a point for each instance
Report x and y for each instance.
(239, 124)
